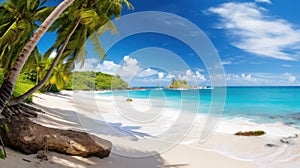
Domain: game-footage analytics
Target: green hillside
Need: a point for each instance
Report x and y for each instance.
(94, 81)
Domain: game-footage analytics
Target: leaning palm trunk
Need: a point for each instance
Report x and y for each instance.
(21, 98)
(10, 82)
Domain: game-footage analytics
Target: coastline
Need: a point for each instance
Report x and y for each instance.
(223, 148)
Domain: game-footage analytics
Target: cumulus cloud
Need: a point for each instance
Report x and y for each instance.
(290, 77)
(53, 54)
(261, 79)
(160, 75)
(192, 77)
(108, 67)
(92, 64)
(89, 65)
(254, 31)
(147, 72)
(130, 69)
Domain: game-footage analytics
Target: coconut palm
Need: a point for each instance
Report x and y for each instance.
(18, 21)
(91, 20)
(58, 78)
(10, 81)
(35, 64)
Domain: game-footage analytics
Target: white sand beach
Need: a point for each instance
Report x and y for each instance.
(144, 144)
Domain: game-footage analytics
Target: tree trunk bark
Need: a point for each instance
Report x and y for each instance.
(21, 98)
(9, 83)
(29, 137)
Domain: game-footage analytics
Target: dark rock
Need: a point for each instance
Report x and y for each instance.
(129, 100)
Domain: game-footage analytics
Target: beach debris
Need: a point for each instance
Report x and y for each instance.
(29, 138)
(285, 141)
(250, 133)
(288, 140)
(26, 160)
(295, 136)
(271, 145)
(42, 155)
(129, 99)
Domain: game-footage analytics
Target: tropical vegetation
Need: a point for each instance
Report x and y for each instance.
(24, 83)
(80, 21)
(94, 81)
(179, 84)
(24, 70)
(9, 83)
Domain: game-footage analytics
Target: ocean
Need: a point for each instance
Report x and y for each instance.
(257, 104)
(275, 110)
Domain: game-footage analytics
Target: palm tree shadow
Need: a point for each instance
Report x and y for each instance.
(60, 118)
(151, 160)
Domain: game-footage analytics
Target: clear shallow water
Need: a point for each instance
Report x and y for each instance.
(259, 104)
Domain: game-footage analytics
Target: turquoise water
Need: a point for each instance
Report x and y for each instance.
(259, 104)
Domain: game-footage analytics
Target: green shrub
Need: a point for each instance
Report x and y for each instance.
(22, 86)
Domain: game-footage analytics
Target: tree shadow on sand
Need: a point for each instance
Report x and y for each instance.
(113, 161)
(67, 119)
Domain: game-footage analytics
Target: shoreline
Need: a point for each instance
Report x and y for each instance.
(65, 111)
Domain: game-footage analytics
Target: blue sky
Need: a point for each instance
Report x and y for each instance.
(258, 42)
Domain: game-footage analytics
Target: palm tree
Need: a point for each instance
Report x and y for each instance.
(18, 21)
(58, 78)
(35, 64)
(91, 20)
(10, 81)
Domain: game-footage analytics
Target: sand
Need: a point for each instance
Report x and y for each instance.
(137, 145)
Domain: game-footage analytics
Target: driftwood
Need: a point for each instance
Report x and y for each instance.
(29, 137)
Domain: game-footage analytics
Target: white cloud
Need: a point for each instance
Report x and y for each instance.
(92, 64)
(287, 65)
(170, 76)
(249, 78)
(147, 72)
(261, 79)
(192, 77)
(226, 62)
(89, 65)
(255, 32)
(128, 69)
(108, 67)
(131, 69)
(160, 75)
(290, 77)
(53, 54)
(264, 1)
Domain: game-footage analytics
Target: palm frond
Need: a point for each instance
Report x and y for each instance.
(98, 49)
